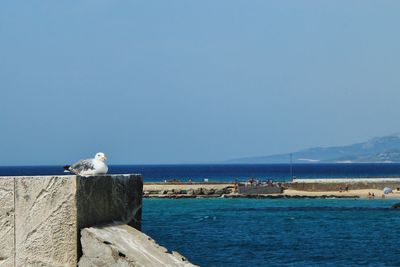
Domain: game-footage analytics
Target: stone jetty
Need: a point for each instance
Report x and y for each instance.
(42, 217)
(207, 190)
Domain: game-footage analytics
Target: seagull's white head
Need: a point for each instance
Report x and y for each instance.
(100, 156)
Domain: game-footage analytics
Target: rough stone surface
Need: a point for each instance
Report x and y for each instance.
(103, 200)
(51, 210)
(122, 245)
(6, 222)
(45, 221)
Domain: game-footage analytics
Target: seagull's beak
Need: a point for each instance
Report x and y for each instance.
(104, 158)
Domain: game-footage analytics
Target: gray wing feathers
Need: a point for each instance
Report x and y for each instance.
(82, 166)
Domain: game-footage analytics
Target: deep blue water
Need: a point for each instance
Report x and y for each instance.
(281, 232)
(220, 172)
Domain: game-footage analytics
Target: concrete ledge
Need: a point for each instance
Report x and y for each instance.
(122, 245)
(335, 184)
(41, 216)
(255, 190)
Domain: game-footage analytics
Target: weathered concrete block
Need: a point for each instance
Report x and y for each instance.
(103, 200)
(121, 245)
(6, 222)
(46, 221)
(51, 210)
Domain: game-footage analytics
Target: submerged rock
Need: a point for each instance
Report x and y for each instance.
(396, 206)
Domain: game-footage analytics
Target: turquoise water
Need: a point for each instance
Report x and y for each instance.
(281, 232)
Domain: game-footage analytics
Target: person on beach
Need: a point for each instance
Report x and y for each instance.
(251, 181)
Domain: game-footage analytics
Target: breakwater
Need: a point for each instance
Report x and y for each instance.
(187, 190)
(42, 218)
(207, 190)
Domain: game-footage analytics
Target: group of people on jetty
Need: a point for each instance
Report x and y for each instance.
(255, 182)
(344, 189)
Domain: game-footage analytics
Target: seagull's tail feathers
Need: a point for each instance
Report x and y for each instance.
(67, 168)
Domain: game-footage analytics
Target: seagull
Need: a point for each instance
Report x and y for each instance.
(89, 167)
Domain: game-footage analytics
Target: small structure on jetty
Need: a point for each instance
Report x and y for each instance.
(262, 189)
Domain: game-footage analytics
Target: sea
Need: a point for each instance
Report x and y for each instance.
(229, 172)
(277, 232)
(267, 232)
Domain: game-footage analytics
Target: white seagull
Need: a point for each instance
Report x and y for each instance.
(89, 167)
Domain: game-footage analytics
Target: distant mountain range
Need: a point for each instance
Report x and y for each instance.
(379, 150)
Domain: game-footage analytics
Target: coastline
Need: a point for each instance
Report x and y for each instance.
(301, 188)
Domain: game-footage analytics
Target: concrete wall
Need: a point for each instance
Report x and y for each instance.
(334, 186)
(254, 190)
(41, 216)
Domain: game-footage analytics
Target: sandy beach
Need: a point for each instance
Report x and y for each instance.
(361, 193)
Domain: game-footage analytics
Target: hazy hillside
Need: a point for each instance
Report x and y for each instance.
(379, 149)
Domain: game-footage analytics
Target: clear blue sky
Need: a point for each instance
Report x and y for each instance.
(193, 81)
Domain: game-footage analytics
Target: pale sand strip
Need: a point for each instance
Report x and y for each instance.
(348, 180)
(362, 193)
